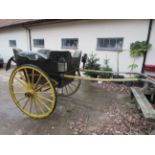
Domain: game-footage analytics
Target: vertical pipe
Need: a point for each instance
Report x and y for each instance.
(30, 43)
(118, 62)
(147, 41)
(29, 37)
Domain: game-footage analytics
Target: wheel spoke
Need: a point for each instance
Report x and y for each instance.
(44, 93)
(35, 105)
(40, 106)
(66, 89)
(36, 84)
(73, 84)
(22, 98)
(39, 88)
(21, 76)
(30, 108)
(40, 96)
(27, 76)
(42, 102)
(20, 87)
(26, 103)
(46, 89)
(32, 76)
(70, 87)
(48, 93)
(19, 92)
(20, 81)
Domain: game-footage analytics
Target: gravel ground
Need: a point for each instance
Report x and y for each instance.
(120, 118)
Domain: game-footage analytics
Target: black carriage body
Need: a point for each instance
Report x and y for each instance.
(48, 62)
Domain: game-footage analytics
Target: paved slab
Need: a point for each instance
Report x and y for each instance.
(92, 110)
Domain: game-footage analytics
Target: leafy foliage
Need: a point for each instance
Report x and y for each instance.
(138, 48)
(133, 66)
(93, 64)
(107, 68)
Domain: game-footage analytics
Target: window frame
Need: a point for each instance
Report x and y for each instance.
(12, 45)
(109, 49)
(38, 46)
(69, 47)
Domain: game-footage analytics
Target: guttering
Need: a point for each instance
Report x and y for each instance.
(147, 41)
(40, 22)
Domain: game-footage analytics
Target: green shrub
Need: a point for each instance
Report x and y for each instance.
(105, 68)
(133, 66)
(106, 75)
(92, 64)
(137, 49)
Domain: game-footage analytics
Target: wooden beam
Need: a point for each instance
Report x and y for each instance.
(144, 104)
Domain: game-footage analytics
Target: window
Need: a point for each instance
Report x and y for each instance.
(70, 43)
(38, 42)
(110, 44)
(12, 43)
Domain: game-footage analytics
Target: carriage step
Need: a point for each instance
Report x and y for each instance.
(143, 103)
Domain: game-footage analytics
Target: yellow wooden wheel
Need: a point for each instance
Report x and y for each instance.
(32, 91)
(70, 88)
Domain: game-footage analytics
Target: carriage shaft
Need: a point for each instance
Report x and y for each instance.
(100, 79)
(101, 71)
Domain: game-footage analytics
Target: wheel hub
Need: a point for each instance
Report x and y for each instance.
(29, 93)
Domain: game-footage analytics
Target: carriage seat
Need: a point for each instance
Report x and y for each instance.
(45, 54)
(29, 55)
(50, 53)
(72, 60)
(54, 55)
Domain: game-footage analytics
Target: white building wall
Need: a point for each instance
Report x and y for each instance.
(18, 34)
(88, 31)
